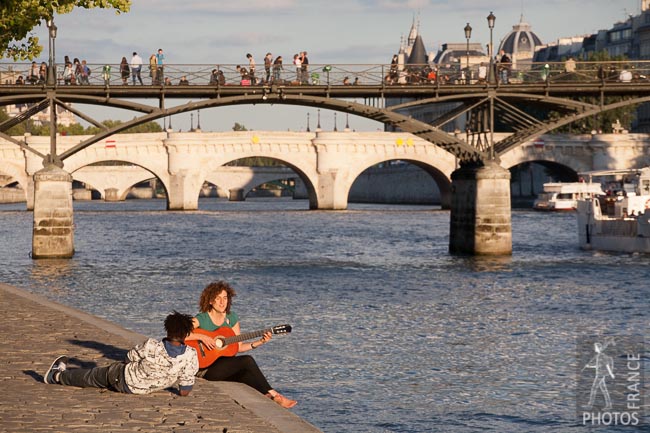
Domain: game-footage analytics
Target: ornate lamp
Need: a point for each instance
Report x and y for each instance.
(490, 19)
(51, 70)
(468, 35)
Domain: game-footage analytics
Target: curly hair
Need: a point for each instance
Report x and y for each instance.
(211, 291)
(178, 326)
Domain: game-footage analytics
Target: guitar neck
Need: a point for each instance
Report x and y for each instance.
(245, 336)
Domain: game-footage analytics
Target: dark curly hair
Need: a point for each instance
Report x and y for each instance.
(178, 326)
(211, 291)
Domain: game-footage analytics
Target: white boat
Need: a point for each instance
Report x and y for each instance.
(564, 196)
(623, 227)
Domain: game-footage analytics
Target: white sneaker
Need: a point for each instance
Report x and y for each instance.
(57, 366)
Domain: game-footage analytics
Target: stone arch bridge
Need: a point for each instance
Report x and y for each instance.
(183, 161)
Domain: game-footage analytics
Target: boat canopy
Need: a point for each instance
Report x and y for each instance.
(573, 188)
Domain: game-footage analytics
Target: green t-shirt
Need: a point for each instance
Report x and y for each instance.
(205, 322)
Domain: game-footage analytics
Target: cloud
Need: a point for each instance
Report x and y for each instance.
(256, 7)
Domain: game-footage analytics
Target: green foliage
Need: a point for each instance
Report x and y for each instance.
(19, 17)
(145, 127)
(74, 129)
(239, 127)
(256, 161)
(602, 121)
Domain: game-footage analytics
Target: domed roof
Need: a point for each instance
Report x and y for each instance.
(521, 41)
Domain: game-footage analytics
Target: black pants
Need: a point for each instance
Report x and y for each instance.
(111, 376)
(241, 369)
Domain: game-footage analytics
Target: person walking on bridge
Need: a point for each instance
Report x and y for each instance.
(297, 61)
(304, 67)
(136, 68)
(277, 69)
(268, 61)
(251, 68)
(125, 71)
(505, 63)
(160, 61)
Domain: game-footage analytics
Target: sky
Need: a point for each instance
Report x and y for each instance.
(332, 31)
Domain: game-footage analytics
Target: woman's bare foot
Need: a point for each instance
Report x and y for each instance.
(281, 400)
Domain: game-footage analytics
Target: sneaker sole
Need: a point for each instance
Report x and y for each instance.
(56, 361)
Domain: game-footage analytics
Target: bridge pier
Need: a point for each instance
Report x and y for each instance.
(236, 194)
(111, 194)
(53, 230)
(480, 211)
(183, 191)
(332, 192)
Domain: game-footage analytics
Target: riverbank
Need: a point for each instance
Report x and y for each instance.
(35, 330)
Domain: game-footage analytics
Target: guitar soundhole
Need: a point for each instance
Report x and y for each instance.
(219, 343)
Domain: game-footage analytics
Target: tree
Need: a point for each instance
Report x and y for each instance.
(603, 121)
(19, 17)
(74, 129)
(145, 127)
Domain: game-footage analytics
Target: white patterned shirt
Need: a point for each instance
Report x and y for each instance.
(150, 368)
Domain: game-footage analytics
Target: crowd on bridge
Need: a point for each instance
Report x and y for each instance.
(500, 69)
(77, 72)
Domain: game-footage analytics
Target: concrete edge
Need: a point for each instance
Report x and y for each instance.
(283, 419)
(245, 396)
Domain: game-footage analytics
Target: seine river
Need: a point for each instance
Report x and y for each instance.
(390, 332)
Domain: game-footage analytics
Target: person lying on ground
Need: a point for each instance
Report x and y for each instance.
(149, 367)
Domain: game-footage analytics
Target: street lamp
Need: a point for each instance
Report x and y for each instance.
(491, 18)
(468, 35)
(327, 69)
(51, 71)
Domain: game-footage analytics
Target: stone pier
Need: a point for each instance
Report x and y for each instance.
(480, 220)
(111, 194)
(236, 194)
(53, 235)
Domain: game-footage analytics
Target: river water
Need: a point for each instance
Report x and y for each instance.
(390, 332)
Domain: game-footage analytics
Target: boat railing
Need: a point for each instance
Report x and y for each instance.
(618, 227)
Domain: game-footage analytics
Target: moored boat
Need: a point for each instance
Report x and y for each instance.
(623, 227)
(564, 196)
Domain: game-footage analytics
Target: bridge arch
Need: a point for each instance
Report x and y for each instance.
(18, 174)
(438, 176)
(114, 184)
(298, 168)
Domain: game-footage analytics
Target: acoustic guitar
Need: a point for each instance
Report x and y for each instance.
(225, 342)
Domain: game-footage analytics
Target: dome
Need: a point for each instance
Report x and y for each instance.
(520, 43)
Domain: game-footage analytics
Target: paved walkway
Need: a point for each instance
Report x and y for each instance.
(34, 330)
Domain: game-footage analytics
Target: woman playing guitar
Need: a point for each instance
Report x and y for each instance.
(215, 315)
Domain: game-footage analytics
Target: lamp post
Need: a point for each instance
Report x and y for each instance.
(491, 18)
(327, 69)
(468, 35)
(51, 71)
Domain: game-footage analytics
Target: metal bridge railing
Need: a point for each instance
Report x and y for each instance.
(346, 74)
